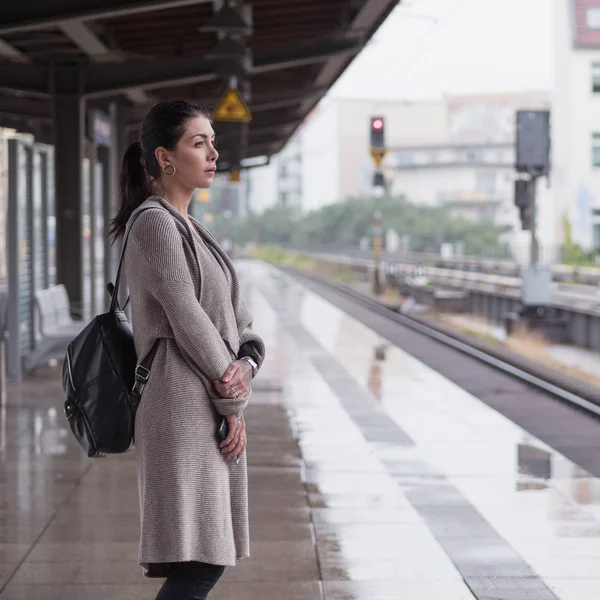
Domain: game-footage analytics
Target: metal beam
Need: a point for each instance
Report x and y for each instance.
(276, 126)
(260, 149)
(23, 125)
(307, 54)
(11, 52)
(81, 35)
(372, 14)
(259, 125)
(269, 136)
(259, 103)
(108, 80)
(25, 108)
(105, 80)
(262, 128)
(263, 102)
(28, 78)
(42, 14)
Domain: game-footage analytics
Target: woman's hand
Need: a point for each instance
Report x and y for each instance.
(235, 443)
(236, 381)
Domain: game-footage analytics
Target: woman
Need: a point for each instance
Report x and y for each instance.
(185, 294)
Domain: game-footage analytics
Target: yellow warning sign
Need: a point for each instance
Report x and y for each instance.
(378, 154)
(232, 108)
(234, 175)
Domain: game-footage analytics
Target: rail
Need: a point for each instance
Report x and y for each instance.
(579, 394)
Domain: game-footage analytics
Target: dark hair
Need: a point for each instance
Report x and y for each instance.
(163, 126)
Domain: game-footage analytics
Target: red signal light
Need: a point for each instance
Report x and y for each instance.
(377, 124)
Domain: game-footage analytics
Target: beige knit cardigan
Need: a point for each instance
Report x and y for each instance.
(193, 503)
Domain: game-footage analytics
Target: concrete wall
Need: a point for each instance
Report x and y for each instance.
(262, 192)
(430, 185)
(321, 162)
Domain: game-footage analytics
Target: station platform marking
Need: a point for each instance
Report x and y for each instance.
(463, 450)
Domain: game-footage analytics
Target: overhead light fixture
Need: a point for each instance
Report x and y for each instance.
(227, 48)
(227, 20)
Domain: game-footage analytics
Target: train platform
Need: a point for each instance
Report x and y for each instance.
(372, 476)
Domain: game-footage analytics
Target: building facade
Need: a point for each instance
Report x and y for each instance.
(472, 180)
(457, 154)
(576, 120)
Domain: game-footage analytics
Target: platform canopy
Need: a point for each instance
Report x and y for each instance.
(141, 51)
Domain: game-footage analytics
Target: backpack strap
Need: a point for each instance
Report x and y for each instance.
(110, 288)
(115, 292)
(142, 371)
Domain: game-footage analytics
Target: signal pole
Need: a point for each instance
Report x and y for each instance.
(532, 162)
(534, 250)
(378, 152)
(377, 287)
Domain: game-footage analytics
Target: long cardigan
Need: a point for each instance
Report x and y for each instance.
(193, 503)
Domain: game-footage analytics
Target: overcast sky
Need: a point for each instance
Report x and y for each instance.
(430, 47)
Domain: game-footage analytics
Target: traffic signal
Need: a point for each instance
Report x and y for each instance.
(533, 141)
(378, 179)
(522, 193)
(377, 132)
(525, 216)
(524, 201)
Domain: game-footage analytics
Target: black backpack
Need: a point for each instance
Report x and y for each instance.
(102, 379)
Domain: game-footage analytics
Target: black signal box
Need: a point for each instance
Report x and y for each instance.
(377, 132)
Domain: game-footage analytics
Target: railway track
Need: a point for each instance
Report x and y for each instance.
(574, 393)
(564, 295)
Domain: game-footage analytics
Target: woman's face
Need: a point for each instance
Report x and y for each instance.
(194, 157)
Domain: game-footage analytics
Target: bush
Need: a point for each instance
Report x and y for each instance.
(346, 223)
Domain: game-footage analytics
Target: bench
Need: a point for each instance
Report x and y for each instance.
(54, 326)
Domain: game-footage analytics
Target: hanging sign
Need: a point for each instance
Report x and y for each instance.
(232, 108)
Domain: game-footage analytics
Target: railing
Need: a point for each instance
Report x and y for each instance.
(497, 266)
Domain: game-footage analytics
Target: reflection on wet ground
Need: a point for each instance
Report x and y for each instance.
(484, 486)
(372, 477)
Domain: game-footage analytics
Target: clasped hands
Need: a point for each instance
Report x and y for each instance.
(235, 383)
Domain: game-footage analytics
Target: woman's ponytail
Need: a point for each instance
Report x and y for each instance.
(163, 126)
(135, 187)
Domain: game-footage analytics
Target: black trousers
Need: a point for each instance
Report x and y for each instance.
(190, 581)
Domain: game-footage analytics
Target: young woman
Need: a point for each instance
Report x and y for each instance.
(185, 296)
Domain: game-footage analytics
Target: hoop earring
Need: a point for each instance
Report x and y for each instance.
(171, 170)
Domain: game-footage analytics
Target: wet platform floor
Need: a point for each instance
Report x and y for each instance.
(372, 477)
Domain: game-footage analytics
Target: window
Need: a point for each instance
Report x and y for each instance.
(405, 158)
(593, 17)
(486, 181)
(596, 149)
(596, 78)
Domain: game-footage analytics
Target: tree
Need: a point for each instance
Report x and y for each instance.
(345, 223)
